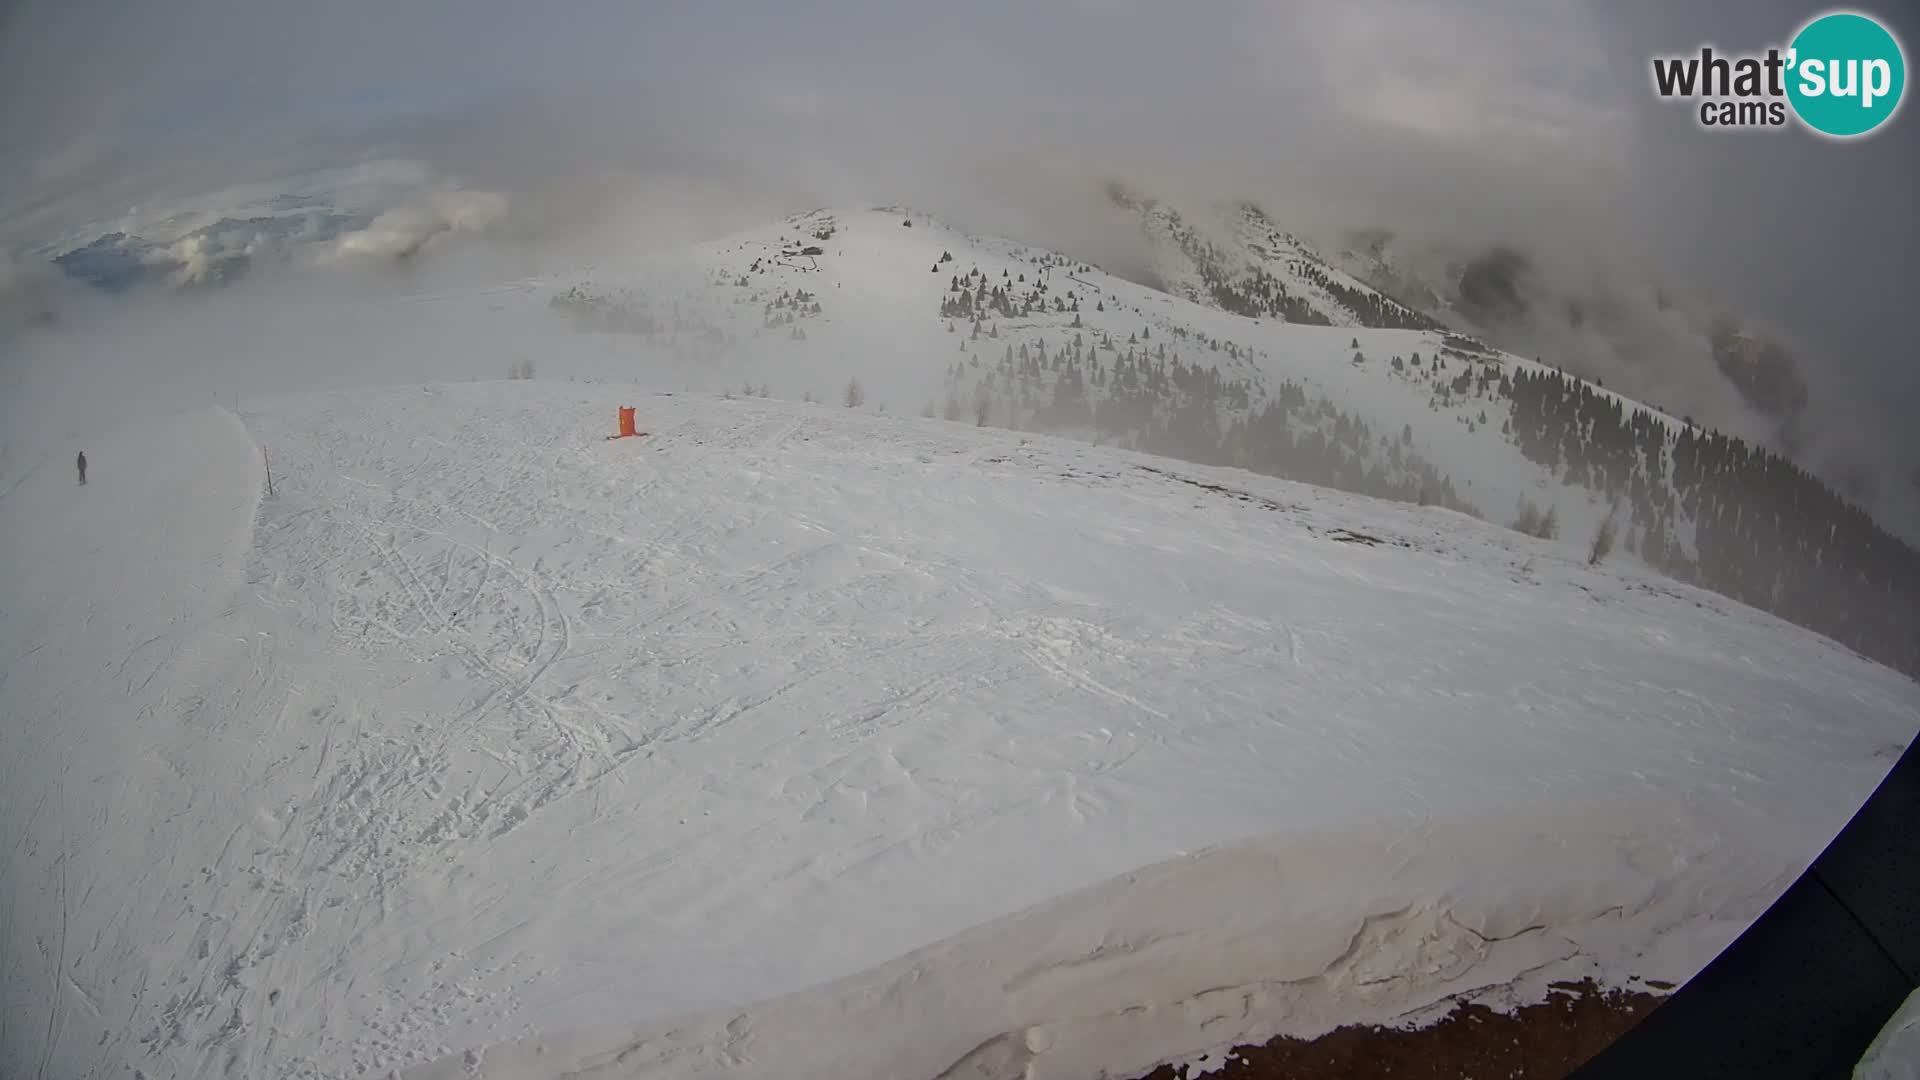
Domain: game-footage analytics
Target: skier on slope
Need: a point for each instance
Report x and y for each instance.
(83, 468)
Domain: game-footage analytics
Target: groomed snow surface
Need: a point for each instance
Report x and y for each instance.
(798, 741)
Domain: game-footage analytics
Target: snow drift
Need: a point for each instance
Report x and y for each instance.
(1293, 934)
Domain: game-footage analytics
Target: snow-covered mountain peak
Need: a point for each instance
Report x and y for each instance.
(1236, 258)
(1257, 353)
(1245, 347)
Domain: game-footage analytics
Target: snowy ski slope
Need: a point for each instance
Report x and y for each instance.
(484, 729)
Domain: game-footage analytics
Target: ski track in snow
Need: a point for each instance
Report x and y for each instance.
(486, 726)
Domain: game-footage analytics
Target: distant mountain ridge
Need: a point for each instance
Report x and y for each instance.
(1247, 265)
(210, 255)
(1495, 292)
(1254, 352)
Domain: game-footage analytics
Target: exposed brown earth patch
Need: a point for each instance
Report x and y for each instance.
(1538, 1042)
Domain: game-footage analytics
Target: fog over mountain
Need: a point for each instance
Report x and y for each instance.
(1635, 243)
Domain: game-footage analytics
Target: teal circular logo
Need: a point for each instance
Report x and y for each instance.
(1845, 74)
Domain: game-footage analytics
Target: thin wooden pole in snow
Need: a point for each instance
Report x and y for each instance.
(268, 460)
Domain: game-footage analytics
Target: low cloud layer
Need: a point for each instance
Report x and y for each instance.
(597, 126)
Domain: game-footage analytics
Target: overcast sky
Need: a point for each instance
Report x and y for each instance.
(1522, 120)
